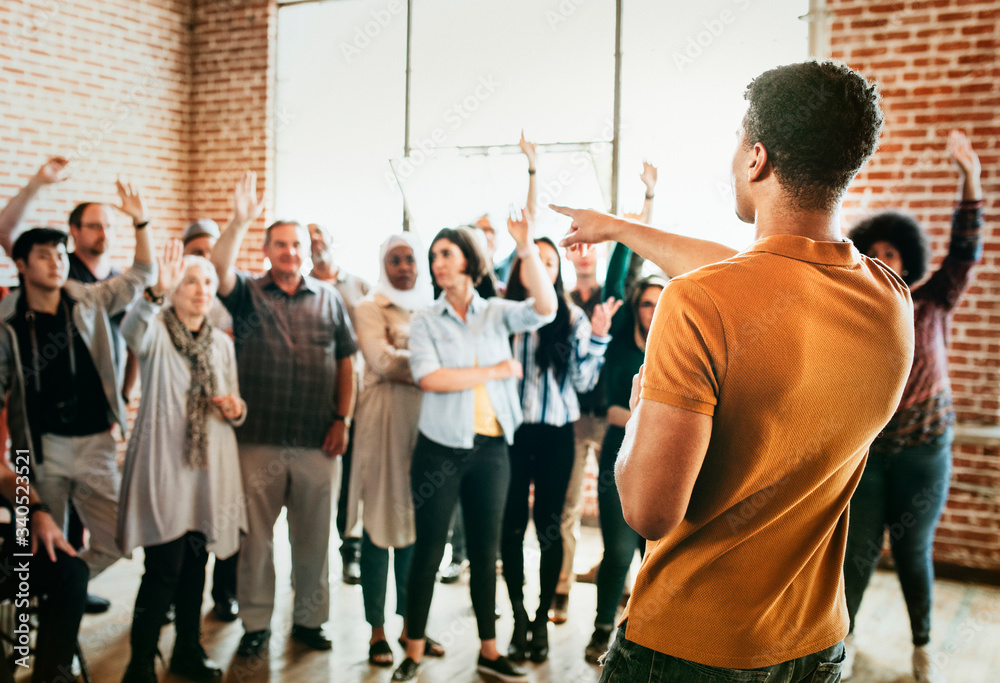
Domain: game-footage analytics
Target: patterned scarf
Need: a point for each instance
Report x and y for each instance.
(198, 349)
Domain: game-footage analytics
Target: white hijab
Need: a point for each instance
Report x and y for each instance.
(421, 295)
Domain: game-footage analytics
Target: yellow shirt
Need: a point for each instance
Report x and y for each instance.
(485, 420)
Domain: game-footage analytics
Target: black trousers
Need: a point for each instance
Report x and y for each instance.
(224, 579)
(61, 589)
(542, 454)
(350, 546)
(439, 477)
(175, 572)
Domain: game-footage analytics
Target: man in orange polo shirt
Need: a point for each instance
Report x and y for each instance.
(768, 374)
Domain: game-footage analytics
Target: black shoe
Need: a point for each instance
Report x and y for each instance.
(313, 638)
(352, 572)
(407, 671)
(253, 643)
(501, 668)
(190, 661)
(451, 572)
(517, 650)
(140, 671)
(226, 610)
(597, 646)
(96, 604)
(538, 648)
(558, 611)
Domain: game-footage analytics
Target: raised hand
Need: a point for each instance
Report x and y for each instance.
(600, 321)
(171, 267)
(132, 204)
(529, 150)
(648, 177)
(588, 227)
(967, 162)
(246, 206)
(521, 226)
(229, 405)
(55, 170)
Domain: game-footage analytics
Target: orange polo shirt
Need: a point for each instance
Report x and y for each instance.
(799, 350)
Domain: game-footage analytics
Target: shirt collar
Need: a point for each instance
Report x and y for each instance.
(804, 249)
(441, 305)
(307, 284)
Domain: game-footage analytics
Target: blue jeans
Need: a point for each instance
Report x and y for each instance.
(627, 662)
(904, 492)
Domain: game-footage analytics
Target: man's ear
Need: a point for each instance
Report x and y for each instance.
(22, 266)
(759, 167)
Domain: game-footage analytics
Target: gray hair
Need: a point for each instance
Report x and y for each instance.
(206, 267)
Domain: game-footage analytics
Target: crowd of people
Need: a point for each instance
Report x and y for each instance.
(732, 402)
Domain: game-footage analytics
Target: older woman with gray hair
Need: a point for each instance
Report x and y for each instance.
(182, 495)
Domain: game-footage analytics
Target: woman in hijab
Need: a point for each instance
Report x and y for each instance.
(386, 433)
(182, 495)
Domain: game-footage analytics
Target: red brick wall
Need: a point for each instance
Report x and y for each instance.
(232, 98)
(105, 84)
(937, 62)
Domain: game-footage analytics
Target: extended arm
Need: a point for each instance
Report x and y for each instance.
(648, 179)
(673, 254)
(246, 209)
(447, 380)
(52, 171)
(529, 151)
(536, 280)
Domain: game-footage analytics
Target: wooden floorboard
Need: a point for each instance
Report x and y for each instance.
(966, 628)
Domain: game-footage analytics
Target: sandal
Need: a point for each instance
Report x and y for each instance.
(380, 648)
(432, 648)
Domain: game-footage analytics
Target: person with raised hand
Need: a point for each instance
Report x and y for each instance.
(909, 468)
(294, 350)
(559, 360)
(460, 357)
(182, 495)
(54, 170)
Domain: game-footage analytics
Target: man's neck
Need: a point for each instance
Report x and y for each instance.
(42, 300)
(325, 272)
(98, 264)
(819, 226)
(585, 285)
(287, 282)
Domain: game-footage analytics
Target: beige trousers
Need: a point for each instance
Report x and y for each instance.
(589, 431)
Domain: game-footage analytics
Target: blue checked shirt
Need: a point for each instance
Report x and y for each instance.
(440, 339)
(546, 398)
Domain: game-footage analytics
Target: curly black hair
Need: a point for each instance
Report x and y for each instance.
(902, 232)
(820, 122)
(554, 339)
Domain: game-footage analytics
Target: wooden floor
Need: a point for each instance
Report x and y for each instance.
(966, 628)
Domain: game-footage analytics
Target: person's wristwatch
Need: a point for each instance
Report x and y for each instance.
(343, 418)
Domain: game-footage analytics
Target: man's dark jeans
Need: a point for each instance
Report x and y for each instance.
(627, 662)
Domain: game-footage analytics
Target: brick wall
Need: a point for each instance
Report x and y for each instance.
(937, 62)
(105, 84)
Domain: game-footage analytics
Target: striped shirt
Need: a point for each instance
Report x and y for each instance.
(546, 398)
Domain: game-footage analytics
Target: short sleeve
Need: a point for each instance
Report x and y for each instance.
(238, 301)
(685, 350)
(521, 316)
(423, 356)
(347, 343)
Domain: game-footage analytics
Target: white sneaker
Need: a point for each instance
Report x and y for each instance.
(850, 651)
(924, 669)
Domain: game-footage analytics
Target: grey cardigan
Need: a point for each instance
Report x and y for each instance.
(95, 304)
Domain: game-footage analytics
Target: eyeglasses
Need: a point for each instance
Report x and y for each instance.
(94, 226)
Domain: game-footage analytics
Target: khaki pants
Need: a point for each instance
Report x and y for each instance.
(304, 481)
(83, 468)
(589, 431)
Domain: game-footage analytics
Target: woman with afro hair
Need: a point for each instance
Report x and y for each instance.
(905, 482)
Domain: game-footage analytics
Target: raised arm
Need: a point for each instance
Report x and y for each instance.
(133, 207)
(536, 280)
(673, 254)
(648, 178)
(970, 170)
(529, 151)
(135, 325)
(52, 171)
(246, 209)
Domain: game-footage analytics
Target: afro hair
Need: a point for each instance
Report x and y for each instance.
(902, 232)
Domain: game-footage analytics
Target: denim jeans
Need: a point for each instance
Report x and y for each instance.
(627, 662)
(905, 493)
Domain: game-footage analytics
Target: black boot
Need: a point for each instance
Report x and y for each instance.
(517, 651)
(190, 661)
(140, 670)
(538, 649)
